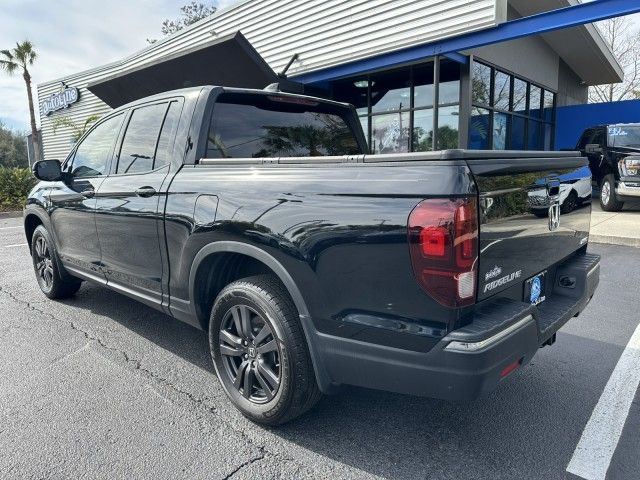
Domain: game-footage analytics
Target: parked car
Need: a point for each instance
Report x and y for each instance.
(575, 190)
(614, 160)
(259, 217)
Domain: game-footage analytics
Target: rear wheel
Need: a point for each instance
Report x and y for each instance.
(259, 351)
(608, 197)
(53, 282)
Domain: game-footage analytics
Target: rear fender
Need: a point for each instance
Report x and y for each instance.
(310, 332)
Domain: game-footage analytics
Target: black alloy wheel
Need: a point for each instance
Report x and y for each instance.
(250, 354)
(260, 352)
(43, 263)
(53, 279)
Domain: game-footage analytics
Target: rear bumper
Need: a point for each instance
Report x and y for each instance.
(472, 360)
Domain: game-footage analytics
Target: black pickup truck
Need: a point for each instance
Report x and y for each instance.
(259, 217)
(614, 160)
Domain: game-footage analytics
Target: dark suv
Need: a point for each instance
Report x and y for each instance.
(614, 160)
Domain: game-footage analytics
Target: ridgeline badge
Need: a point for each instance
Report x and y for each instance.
(58, 101)
(502, 281)
(493, 273)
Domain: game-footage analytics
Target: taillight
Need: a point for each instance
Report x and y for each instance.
(443, 241)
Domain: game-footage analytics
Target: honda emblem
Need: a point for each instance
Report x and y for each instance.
(554, 216)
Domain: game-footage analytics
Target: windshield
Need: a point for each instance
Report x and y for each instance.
(624, 136)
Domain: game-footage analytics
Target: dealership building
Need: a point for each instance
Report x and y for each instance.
(392, 59)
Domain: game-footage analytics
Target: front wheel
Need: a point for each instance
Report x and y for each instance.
(259, 351)
(46, 264)
(608, 197)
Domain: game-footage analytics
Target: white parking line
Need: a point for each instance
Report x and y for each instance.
(16, 245)
(597, 445)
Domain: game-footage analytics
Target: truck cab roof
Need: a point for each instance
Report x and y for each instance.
(194, 92)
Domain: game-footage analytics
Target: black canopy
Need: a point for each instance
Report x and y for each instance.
(227, 61)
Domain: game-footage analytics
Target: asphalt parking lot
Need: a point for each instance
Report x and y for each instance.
(99, 386)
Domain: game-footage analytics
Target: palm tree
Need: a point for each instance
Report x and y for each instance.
(20, 57)
(77, 130)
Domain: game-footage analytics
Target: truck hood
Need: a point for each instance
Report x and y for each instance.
(627, 150)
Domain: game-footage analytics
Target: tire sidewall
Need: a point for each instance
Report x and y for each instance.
(40, 231)
(247, 294)
(614, 204)
(606, 180)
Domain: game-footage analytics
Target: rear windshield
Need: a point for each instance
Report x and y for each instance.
(247, 126)
(624, 136)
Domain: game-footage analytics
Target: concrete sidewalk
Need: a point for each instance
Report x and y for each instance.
(616, 228)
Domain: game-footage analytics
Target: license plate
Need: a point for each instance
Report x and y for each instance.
(534, 289)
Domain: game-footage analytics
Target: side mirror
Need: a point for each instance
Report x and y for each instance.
(48, 170)
(593, 148)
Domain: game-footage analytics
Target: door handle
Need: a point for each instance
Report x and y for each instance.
(145, 192)
(88, 193)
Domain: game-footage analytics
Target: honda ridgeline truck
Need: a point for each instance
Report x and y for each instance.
(258, 217)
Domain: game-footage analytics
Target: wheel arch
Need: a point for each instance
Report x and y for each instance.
(259, 255)
(32, 219)
(255, 253)
(606, 169)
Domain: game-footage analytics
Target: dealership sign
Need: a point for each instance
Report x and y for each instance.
(58, 101)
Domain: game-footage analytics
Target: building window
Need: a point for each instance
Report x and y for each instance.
(509, 112)
(398, 109)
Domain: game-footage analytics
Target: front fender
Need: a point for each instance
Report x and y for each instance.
(35, 213)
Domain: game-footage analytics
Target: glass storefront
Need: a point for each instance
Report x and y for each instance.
(509, 112)
(398, 108)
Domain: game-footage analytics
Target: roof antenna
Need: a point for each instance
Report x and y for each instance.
(283, 73)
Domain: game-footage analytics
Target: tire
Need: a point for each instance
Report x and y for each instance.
(570, 203)
(608, 198)
(274, 364)
(54, 282)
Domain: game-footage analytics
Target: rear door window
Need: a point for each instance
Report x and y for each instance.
(168, 134)
(250, 126)
(138, 150)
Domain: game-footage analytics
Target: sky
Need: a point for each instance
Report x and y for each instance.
(75, 35)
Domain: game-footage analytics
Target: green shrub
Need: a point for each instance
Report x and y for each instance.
(15, 185)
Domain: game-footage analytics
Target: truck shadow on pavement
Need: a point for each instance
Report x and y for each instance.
(164, 331)
(528, 428)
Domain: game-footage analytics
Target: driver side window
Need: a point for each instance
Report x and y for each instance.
(586, 137)
(92, 155)
(599, 138)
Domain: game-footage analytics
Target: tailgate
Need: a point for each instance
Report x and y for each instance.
(535, 210)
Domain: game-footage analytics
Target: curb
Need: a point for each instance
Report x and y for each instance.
(611, 240)
(12, 214)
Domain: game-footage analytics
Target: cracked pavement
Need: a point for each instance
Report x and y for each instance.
(100, 386)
